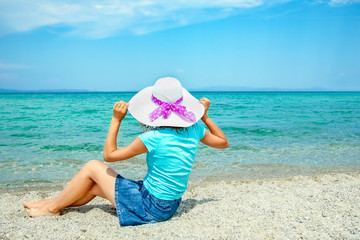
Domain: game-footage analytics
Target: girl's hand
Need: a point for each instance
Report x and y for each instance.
(206, 102)
(120, 110)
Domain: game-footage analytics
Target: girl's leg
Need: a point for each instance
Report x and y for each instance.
(94, 191)
(94, 179)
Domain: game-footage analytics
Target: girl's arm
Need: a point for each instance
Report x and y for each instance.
(215, 138)
(111, 153)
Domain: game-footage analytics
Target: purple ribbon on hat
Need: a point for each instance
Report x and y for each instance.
(166, 108)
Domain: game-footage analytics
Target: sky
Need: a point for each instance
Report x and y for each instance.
(126, 45)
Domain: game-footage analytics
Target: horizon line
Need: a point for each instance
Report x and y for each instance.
(14, 91)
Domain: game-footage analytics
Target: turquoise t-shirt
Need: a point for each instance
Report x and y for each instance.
(170, 159)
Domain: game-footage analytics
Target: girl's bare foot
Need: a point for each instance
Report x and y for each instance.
(36, 204)
(42, 212)
(42, 208)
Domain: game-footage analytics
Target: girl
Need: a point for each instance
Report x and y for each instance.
(173, 114)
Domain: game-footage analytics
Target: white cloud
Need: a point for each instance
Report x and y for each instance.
(7, 76)
(340, 75)
(99, 19)
(7, 66)
(342, 2)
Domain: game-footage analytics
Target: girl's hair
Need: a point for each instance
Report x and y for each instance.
(148, 128)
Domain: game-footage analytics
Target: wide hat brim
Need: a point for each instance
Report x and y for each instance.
(141, 105)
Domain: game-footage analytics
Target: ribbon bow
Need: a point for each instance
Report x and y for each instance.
(166, 108)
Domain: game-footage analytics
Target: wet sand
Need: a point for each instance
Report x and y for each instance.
(323, 206)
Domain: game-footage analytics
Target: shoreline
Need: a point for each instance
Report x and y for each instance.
(323, 206)
(248, 172)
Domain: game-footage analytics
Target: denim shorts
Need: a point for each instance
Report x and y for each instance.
(135, 205)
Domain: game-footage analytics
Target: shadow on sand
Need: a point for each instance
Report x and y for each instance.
(189, 204)
(108, 208)
(185, 207)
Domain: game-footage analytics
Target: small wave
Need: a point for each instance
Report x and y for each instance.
(81, 112)
(93, 129)
(341, 112)
(6, 164)
(240, 107)
(242, 147)
(30, 127)
(342, 146)
(22, 118)
(37, 181)
(235, 129)
(221, 105)
(257, 131)
(320, 123)
(26, 135)
(69, 148)
(30, 108)
(90, 111)
(229, 106)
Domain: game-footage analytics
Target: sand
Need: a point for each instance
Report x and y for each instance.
(324, 206)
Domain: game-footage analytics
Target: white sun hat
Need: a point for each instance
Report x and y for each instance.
(166, 103)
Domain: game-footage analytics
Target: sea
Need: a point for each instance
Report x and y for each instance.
(45, 138)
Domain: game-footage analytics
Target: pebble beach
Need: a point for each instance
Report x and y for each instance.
(324, 206)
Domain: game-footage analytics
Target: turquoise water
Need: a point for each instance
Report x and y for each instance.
(47, 138)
